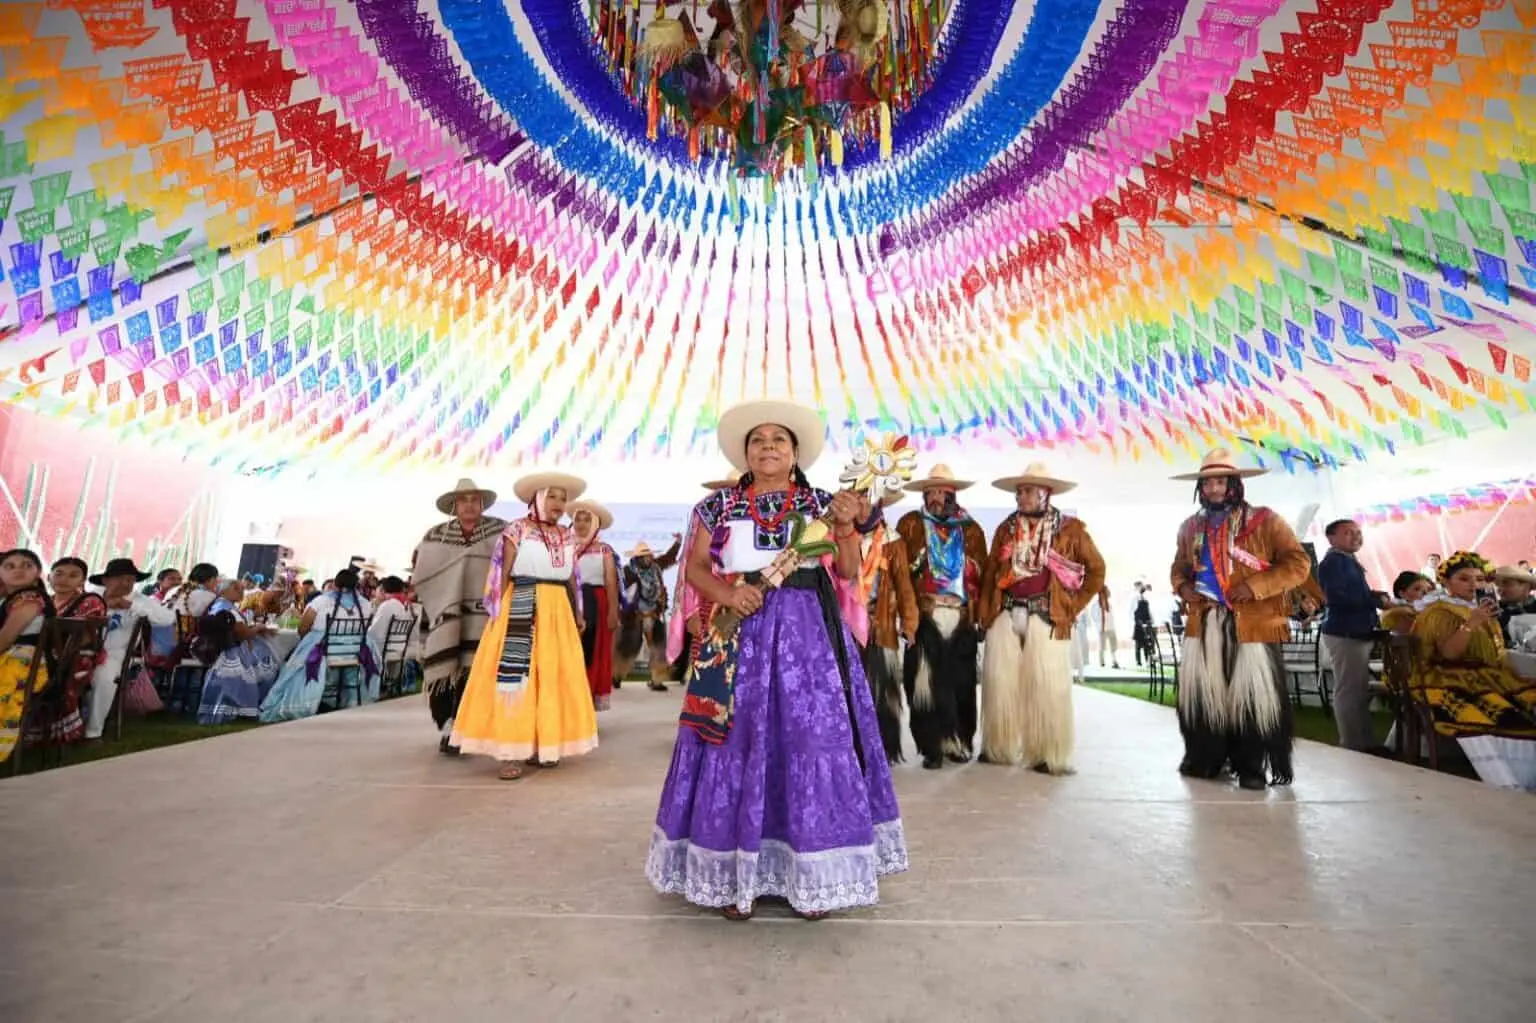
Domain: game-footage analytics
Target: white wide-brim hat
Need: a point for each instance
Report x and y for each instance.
(725, 484)
(604, 516)
(1514, 573)
(641, 550)
(1036, 474)
(466, 486)
(529, 486)
(943, 477)
(1220, 462)
(805, 423)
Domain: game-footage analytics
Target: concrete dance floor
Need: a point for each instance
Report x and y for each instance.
(339, 869)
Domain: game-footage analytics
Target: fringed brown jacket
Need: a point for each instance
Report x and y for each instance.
(1074, 544)
(914, 534)
(894, 615)
(1266, 555)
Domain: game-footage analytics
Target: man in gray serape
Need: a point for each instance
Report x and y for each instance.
(449, 571)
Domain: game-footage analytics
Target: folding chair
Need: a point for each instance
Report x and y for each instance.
(396, 642)
(190, 672)
(1167, 654)
(1300, 658)
(343, 644)
(59, 646)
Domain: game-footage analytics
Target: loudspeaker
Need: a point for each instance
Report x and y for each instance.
(263, 559)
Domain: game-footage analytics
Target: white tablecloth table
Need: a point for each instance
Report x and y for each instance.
(282, 642)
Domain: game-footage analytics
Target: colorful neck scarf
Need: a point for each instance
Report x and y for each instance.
(1032, 539)
(946, 545)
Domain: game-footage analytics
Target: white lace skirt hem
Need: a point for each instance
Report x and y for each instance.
(818, 882)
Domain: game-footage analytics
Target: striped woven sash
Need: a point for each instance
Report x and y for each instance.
(517, 650)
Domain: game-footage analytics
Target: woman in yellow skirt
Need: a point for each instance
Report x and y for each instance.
(24, 607)
(527, 699)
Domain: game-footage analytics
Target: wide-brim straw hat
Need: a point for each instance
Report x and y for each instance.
(604, 516)
(1512, 573)
(1220, 462)
(725, 484)
(529, 486)
(1036, 474)
(641, 550)
(943, 477)
(466, 486)
(805, 423)
(116, 567)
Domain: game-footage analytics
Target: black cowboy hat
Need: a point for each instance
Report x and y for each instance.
(119, 566)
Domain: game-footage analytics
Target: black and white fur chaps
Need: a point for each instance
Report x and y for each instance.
(881, 666)
(939, 676)
(1233, 707)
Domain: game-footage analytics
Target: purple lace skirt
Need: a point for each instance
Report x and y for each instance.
(782, 808)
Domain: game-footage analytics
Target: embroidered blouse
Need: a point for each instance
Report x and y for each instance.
(742, 543)
(592, 562)
(544, 552)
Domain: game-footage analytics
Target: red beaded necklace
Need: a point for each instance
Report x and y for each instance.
(772, 525)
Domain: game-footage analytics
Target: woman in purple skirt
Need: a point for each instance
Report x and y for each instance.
(779, 786)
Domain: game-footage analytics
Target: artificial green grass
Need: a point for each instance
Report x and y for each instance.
(1313, 723)
(139, 734)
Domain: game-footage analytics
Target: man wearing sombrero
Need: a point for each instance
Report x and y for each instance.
(1234, 566)
(885, 587)
(1042, 571)
(644, 621)
(124, 608)
(448, 573)
(946, 548)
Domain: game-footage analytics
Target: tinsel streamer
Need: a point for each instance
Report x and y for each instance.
(1129, 49)
(973, 31)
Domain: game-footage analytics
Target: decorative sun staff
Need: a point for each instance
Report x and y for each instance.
(880, 466)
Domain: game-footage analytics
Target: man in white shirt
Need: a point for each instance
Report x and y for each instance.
(124, 608)
(390, 609)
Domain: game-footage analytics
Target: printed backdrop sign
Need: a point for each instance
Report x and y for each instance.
(83, 493)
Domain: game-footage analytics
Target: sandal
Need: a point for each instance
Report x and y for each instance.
(510, 772)
(813, 917)
(735, 913)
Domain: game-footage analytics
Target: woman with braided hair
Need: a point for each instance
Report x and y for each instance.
(24, 608)
(527, 699)
(779, 785)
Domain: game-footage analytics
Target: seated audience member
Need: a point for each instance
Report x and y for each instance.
(24, 607)
(1460, 672)
(241, 668)
(124, 609)
(1408, 589)
(72, 600)
(390, 609)
(1515, 599)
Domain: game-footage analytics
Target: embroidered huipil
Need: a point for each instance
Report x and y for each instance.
(544, 553)
(592, 562)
